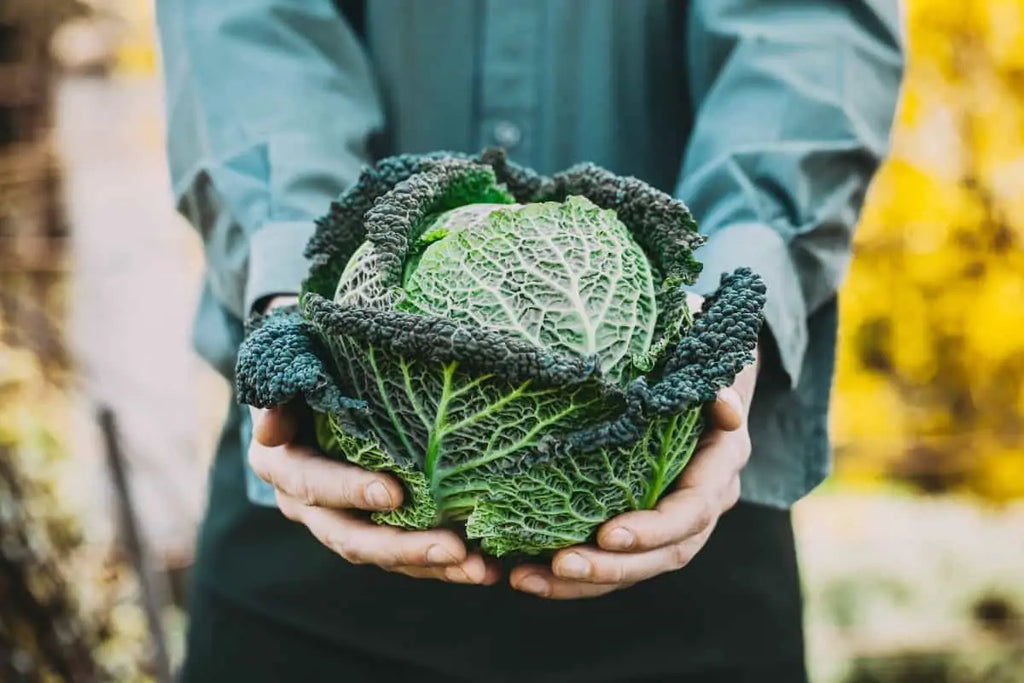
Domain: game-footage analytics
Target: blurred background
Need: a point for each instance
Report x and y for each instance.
(912, 553)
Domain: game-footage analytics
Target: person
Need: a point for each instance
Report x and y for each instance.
(767, 119)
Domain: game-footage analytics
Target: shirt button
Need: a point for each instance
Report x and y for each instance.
(507, 134)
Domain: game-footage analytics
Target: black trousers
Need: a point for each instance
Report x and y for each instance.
(733, 614)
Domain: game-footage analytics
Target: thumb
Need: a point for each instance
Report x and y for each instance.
(274, 426)
(727, 410)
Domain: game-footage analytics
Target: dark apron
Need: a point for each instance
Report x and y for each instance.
(269, 603)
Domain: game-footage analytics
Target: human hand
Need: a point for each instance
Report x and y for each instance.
(329, 498)
(641, 544)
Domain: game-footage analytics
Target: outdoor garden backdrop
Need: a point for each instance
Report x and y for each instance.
(912, 552)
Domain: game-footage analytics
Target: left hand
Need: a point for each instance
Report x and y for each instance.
(641, 544)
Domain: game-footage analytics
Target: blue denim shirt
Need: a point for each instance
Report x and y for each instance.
(767, 118)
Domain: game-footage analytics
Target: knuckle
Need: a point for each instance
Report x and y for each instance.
(405, 555)
(706, 512)
(343, 488)
(680, 556)
(303, 489)
(347, 548)
(350, 489)
(336, 539)
(287, 507)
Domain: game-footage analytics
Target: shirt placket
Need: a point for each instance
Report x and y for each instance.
(509, 87)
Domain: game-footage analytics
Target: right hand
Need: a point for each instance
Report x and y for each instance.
(328, 496)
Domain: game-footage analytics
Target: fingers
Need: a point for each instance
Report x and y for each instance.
(586, 572)
(435, 554)
(717, 461)
(596, 566)
(362, 542)
(680, 515)
(707, 487)
(316, 492)
(731, 405)
(592, 565)
(727, 411)
(540, 581)
(303, 475)
(274, 426)
(475, 569)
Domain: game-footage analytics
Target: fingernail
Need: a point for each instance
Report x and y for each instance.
(574, 566)
(377, 495)
(534, 584)
(438, 554)
(620, 538)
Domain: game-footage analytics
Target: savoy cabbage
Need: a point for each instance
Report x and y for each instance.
(516, 349)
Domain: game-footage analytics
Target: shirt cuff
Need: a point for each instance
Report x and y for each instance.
(760, 248)
(276, 261)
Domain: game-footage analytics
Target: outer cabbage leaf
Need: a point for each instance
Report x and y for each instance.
(483, 447)
(515, 348)
(476, 448)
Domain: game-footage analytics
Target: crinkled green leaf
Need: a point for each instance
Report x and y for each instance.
(515, 348)
(565, 276)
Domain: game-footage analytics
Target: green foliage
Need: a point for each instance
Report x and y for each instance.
(516, 349)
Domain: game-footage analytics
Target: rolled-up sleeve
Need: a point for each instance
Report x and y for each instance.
(271, 106)
(793, 104)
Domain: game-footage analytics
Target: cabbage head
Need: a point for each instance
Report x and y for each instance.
(516, 349)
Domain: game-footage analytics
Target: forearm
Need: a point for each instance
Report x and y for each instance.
(793, 105)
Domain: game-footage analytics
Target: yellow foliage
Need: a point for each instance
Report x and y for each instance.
(930, 374)
(1001, 472)
(1004, 32)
